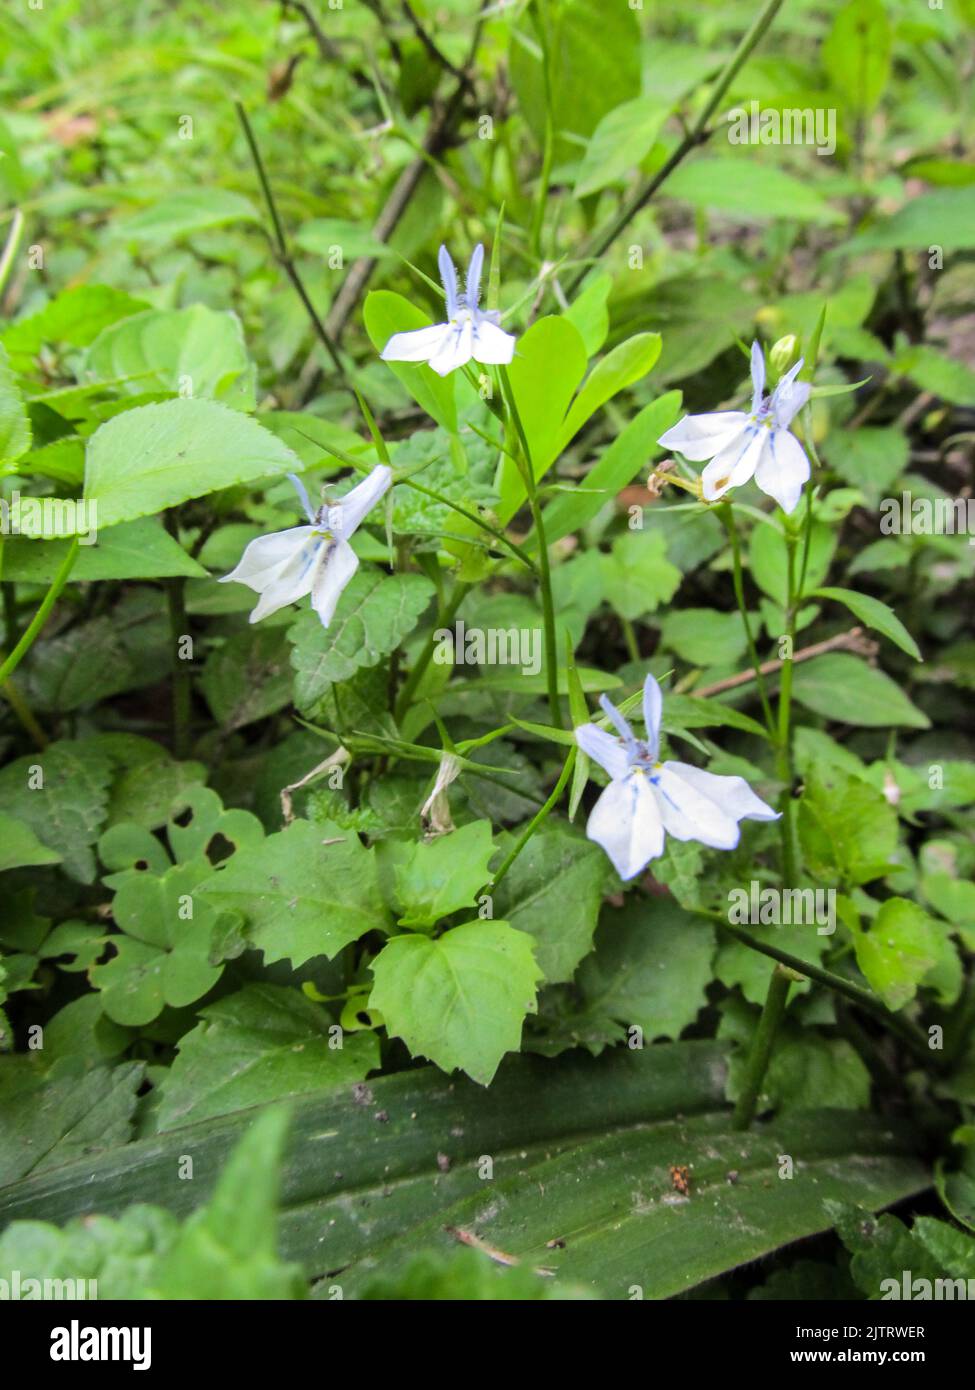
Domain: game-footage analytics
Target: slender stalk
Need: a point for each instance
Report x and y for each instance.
(760, 1052)
(418, 671)
(544, 576)
(25, 714)
(695, 136)
(536, 820)
(784, 760)
(10, 247)
(728, 517)
(280, 242)
(182, 691)
(41, 616)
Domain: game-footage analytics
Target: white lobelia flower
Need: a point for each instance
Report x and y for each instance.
(315, 559)
(469, 332)
(646, 799)
(758, 444)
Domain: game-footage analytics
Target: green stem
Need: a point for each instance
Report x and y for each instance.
(544, 575)
(629, 637)
(10, 247)
(728, 517)
(537, 819)
(41, 616)
(182, 689)
(418, 670)
(760, 1052)
(280, 243)
(784, 758)
(604, 238)
(541, 197)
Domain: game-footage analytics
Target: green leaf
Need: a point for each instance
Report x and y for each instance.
(617, 466)
(869, 458)
(589, 313)
(20, 846)
(690, 712)
(15, 433)
(248, 677)
(553, 892)
(433, 880)
(157, 456)
(184, 214)
(461, 999)
(628, 362)
(619, 143)
(385, 313)
(751, 192)
(73, 318)
(307, 891)
(579, 1144)
(261, 1044)
(141, 549)
(650, 969)
(876, 615)
(374, 614)
(195, 352)
(897, 951)
(637, 576)
(768, 559)
(704, 637)
(841, 686)
(61, 793)
(856, 54)
(942, 376)
(322, 236)
(848, 828)
(950, 210)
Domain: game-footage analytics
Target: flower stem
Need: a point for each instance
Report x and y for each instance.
(728, 517)
(544, 572)
(536, 820)
(760, 1052)
(41, 616)
(785, 768)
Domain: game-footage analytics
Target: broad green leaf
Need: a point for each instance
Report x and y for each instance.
(157, 456)
(690, 712)
(324, 236)
(841, 686)
(374, 614)
(876, 615)
(749, 191)
(767, 559)
(589, 313)
(61, 793)
(950, 210)
(637, 576)
(15, 433)
(459, 1000)
(704, 636)
(650, 968)
(248, 677)
(20, 846)
(628, 362)
(262, 1044)
(73, 318)
(307, 891)
(806, 1071)
(897, 950)
(184, 214)
(620, 142)
(141, 549)
(869, 458)
(553, 892)
(549, 363)
(942, 376)
(194, 352)
(856, 54)
(433, 880)
(579, 1144)
(385, 313)
(848, 829)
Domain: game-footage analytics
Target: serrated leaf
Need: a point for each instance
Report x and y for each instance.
(434, 880)
(19, 846)
(61, 793)
(196, 351)
(897, 951)
(460, 1000)
(15, 433)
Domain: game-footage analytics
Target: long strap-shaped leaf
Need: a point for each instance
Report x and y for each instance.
(579, 1181)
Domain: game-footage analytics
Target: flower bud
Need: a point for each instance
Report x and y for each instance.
(784, 354)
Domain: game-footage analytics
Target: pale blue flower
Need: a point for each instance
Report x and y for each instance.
(315, 559)
(469, 332)
(758, 444)
(647, 799)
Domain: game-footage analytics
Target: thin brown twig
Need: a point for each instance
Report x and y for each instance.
(852, 641)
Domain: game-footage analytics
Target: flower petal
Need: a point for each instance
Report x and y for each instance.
(688, 814)
(455, 348)
(732, 794)
(603, 748)
(734, 465)
(346, 515)
(616, 719)
(782, 469)
(294, 579)
(472, 289)
(700, 437)
(625, 821)
(758, 375)
(338, 566)
(491, 344)
(265, 556)
(652, 706)
(420, 345)
(448, 276)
